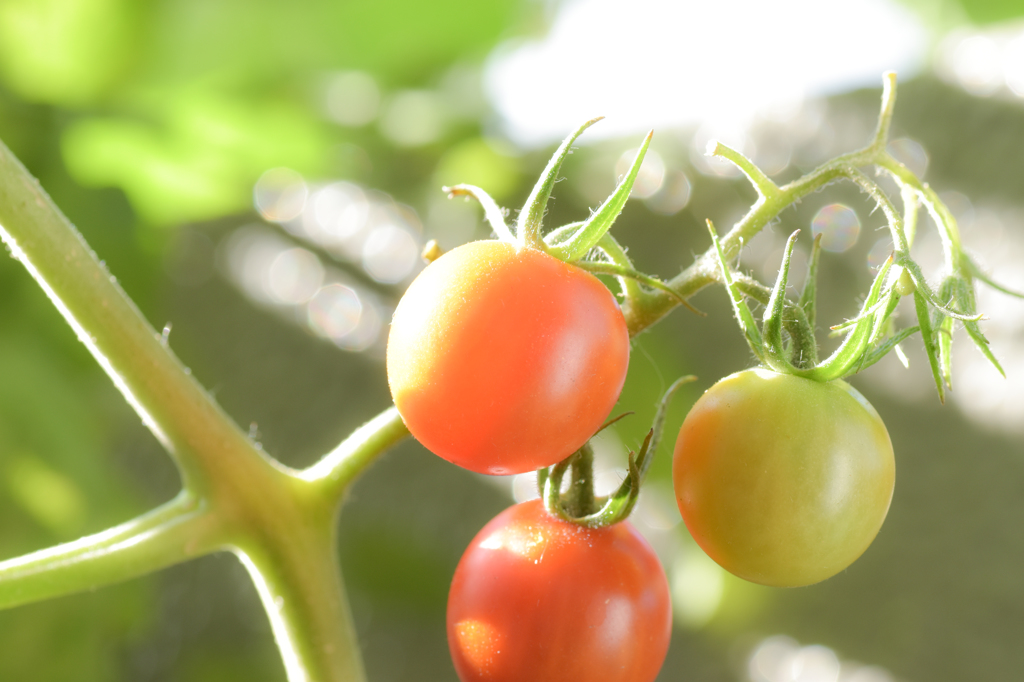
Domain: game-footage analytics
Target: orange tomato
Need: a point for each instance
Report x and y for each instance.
(503, 359)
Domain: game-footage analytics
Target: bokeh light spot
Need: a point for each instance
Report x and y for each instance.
(390, 253)
(295, 275)
(650, 176)
(673, 196)
(352, 98)
(697, 586)
(977, 65)
(280, 194)
(838, 226)
(413, 118)
(879, 252)
(335, 312)
(911, 154)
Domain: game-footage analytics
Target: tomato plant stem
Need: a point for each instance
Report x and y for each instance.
(234, 496)
(178, 531)
(298, 578)
(282, 523)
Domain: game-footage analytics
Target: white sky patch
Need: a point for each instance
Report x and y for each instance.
(665, 63)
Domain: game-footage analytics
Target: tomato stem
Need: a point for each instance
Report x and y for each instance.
(581, 500)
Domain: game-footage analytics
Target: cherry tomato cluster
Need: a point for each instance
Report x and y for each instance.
(503, 359)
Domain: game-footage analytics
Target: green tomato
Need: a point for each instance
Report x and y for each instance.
(783, 480)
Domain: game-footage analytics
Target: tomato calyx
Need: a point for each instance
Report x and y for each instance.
(579, 504)
(586, 244)
(871, 334)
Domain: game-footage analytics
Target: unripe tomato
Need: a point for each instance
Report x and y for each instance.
(538, 599)
(505, 360)
(782, 480)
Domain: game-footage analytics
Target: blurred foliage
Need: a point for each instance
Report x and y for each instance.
(952, 13)
(141, 115)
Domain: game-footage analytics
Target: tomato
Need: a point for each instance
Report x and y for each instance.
(782, 480)
(505, 360)
(540, 599)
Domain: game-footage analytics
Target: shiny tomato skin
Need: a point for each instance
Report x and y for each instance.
(536, 598)
(505, 360)
(782, 480)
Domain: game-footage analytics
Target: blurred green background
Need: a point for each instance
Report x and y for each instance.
(260, 177)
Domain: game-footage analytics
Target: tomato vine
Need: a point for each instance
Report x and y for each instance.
(281, 522)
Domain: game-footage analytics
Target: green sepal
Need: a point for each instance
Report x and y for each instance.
(590, 232)
(943, 327)
(802, 348)
(542, 479)
(559, 235)
(982, 343)
(928, 336)
(739, 306)
(492, 212)
(808, 297)
(883, 321)
(528, 227)
(880, 352)
(924, 290)
(978, 273)
(617, 506)
(963, 292)
(864, 314)
(771, 328)
(854, 345)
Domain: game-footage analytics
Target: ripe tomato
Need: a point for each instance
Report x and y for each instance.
(505, 360)
(536, 598)
(782, 480)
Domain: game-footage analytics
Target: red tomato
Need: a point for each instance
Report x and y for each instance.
(505, 360)
(782, 480)
(537, 599)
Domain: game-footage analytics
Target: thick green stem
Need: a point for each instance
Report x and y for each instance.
(279, 521)
(204, 442)
(581, 486)
(772, 200)
(180, 530)
(338, 468)
(299, 582)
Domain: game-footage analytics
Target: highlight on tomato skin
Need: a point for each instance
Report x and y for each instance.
(540, 599)
(503, 359)
(782, 480)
